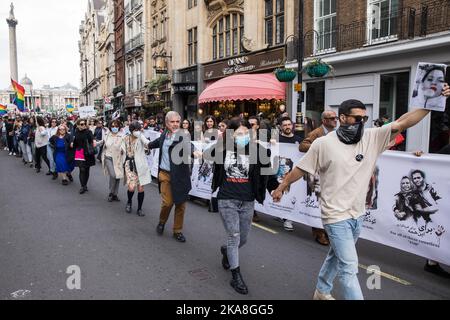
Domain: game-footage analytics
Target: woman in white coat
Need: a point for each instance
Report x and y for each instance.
(137, 172)
(113, 158)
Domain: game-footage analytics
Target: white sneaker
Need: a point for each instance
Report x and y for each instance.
(10, 154)
(5, 148)
(287, 224)
(321, 296)
(14, 154)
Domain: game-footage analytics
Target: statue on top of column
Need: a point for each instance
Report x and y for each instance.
(11, 12)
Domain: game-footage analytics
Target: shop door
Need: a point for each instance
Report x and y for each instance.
(315, 104)
(394, 98)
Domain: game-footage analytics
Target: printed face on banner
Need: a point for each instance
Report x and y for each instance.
(416, 204)
(372, 193)
(429, 84)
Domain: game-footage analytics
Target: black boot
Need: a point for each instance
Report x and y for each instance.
(237, 282)
(225, 263)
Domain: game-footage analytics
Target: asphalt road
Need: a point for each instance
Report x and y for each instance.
(46, 227)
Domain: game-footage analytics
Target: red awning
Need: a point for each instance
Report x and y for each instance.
(245, 87)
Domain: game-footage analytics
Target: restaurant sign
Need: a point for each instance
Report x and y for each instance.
(244, 64)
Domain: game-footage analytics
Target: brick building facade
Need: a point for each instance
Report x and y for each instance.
(375, 47)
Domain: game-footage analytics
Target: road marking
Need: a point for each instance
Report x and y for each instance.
(264, 228)
(386, 275)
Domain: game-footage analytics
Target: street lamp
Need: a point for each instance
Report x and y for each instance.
(301, 95)
(85, 76)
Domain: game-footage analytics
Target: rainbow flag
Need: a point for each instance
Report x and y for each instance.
(19, 101)
(3, 110)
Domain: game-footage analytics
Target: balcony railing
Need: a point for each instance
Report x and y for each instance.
(133, 6)
(409, 23)
(134, 43)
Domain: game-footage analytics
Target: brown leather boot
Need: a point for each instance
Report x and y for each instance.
(322, 238)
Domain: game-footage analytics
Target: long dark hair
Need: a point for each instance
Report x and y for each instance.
(40, 121)
(208, 118)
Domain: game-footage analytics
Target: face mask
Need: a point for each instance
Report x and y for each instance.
(137, 134)
(351, 134)
(242, 141)
(115, 130)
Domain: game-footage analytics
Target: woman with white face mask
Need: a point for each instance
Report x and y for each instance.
(137, 172)
(113, 157)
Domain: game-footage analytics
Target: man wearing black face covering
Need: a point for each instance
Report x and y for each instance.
(345, 161)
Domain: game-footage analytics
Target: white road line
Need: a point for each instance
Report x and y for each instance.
(264, 228)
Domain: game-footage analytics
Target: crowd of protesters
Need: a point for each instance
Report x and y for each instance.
(121, 148)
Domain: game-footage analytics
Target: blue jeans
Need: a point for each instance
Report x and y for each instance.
(51, 159)
(342, 259)
(237, 219)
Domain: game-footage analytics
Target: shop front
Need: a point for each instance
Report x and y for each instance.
(185, 90)
(132, 103)
(244, 85)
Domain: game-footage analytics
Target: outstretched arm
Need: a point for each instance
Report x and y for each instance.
(295, 175)
(412, 118)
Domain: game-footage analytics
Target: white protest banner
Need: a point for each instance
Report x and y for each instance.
(87, 112)
(153, 156)
(201, 177)
(406, 202)
(300, 203)
(429, 84)
(411, 205)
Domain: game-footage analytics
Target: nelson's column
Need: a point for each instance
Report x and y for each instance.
(12, 23)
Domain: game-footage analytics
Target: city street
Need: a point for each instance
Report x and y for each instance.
(46, 227)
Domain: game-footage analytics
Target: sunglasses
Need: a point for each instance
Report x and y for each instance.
(82, 124)
(358, 118)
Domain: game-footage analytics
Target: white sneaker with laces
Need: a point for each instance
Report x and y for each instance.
(321, 296)
(287, 224)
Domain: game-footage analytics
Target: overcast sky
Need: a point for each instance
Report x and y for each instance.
(47, 41)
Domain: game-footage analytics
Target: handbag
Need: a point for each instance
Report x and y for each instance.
(89, 149)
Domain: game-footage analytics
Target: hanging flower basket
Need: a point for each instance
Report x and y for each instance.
(285, 75)
(318, 68)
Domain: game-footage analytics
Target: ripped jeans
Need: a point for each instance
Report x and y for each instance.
(237, 219)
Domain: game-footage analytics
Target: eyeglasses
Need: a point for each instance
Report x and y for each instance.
(82, 124)
(358, 118)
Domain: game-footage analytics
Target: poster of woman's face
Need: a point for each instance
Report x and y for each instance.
(429, 84)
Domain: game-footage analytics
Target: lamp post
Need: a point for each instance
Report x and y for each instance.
(85, 76)
(301, 97)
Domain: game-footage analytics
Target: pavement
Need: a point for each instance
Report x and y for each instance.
(47, 228)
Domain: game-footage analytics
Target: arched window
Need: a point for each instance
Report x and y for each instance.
(227, 34)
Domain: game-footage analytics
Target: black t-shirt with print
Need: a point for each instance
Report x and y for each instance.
(237, 184)
(294, 139)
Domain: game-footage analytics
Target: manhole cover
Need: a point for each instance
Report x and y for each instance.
(202, 274)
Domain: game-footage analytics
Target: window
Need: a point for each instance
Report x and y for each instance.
(274, 22)
(139, 75)
(326, 25)
(383, 19)
(130, 77)
(163, 24)
(155, 28)
(192, 46)
(192, 3)
(227, 36)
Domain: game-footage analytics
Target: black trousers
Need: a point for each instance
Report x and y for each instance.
(41, 153)
(10, 141)
(84, 175)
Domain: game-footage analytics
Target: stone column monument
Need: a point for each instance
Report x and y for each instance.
(12, 23)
